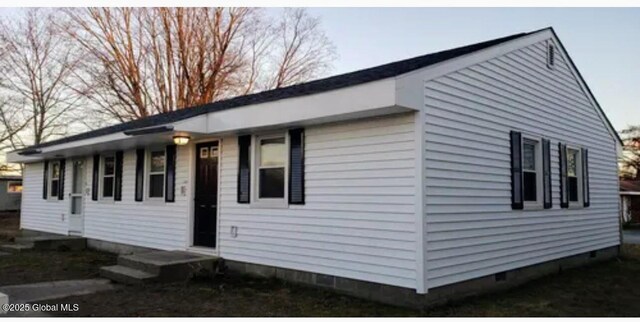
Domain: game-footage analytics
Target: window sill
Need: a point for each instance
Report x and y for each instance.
(263, 204)
(533, 207)
(106, 201)
(155, 201)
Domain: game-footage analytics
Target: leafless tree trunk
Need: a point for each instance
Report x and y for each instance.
(143, 61)
(36, 70)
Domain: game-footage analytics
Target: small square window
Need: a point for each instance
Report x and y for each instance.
(14, 187)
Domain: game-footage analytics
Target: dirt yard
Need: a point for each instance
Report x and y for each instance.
(604, 289)
(42, 266)
(9, 225)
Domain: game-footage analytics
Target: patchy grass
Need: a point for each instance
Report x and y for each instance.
(9, 225)
(603, 289)
(230, 296)
(41, 266)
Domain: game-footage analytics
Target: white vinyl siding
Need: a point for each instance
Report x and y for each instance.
(150, 223)
(359, 217)
(471, 229)
(37, 213)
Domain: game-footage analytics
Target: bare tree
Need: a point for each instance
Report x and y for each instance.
(36, 70)
(142, 61)
(302, 51)
(630, 157)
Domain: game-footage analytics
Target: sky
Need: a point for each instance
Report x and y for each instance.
(604, 43)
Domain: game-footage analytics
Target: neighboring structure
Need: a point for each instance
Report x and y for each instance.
(10, 193)
(481, 163)
(630, 201)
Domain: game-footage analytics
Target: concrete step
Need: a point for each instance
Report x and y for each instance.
(127, 275)
(16, 248)
(54, 242)
(170, 266)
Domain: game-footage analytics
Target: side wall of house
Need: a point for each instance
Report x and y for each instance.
(471, 229)
(48, 215)
(154, 224)
(359, 217)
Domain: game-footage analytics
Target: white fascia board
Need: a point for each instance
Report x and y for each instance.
(449, 66)
(14, 157)
(326, 106)
(369, 99)
(630, 193)
(196, 124)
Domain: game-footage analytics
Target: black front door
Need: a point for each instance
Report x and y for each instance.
(206, 195)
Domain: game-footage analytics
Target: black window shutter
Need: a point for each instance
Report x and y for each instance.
(45, 179)
(117, 196)
(585, 177)
(516, 170)
(546, 174)
(61, 181)
(564, 187)
(296, 166)
(170, 174)
(96, 177)
(244, 169)
(139, 174)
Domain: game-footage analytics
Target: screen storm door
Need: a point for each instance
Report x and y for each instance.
(206, 194)
(76, 211)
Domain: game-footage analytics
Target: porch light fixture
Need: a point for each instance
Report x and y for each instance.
(180, 140)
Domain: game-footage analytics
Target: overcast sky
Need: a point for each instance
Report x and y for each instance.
(603, 43)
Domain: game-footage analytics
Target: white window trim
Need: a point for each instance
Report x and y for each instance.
(579, 174)
(539, 203)
(50, 197)
(9, 184)
(102, 176)
(148, 173)
(257, 202)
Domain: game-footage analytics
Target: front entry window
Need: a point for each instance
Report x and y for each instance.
(271, 167)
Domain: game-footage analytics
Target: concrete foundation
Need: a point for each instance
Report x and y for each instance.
(115, 248)
(440, 295)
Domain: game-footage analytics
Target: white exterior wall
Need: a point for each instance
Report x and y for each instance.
(40, 214)
(471, 229)
(153, 224)
(358, 220)
(359, 217)
(150, 223)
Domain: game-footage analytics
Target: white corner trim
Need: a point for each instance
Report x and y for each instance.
(421, 266)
